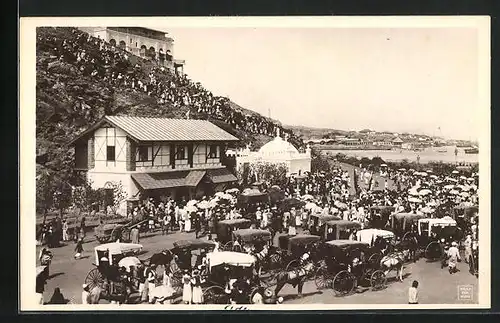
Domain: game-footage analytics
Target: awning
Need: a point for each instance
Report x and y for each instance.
(194, 177)
(222, 175)
(151, 181)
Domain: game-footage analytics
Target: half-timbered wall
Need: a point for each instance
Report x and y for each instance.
(110, 149)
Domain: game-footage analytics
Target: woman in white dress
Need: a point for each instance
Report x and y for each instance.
(187, 223)
(187, 292)
(196, 281)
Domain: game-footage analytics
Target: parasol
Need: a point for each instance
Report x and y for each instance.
(233, 191)
(455, 172)
(191, 208)
(192, 202)
(310, 206)
(449, 187)
(464, 194)
(128, 262)
(424, 192)
(432, 203)
(219, 194)
(203, 205)
(414, 200)
(308, 197)
(454, 192)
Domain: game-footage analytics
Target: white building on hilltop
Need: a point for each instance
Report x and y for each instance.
(277, 151)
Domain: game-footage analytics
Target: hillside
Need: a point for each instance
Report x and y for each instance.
(315, 133)
(81, 78)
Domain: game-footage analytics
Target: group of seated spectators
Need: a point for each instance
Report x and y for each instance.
(97, 59)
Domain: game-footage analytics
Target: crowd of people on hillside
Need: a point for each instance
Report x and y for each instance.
(97, 59)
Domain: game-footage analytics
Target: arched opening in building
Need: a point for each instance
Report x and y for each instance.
(112, 42)
(143, 50)
(123, 45)
(161, 55)
(169, 55)
(152, 52)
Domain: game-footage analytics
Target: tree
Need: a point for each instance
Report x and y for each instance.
(44, 194)
(85, 196)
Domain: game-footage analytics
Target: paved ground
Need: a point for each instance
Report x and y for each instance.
(436, 285)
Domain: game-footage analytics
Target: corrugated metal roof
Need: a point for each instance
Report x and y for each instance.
(151, 181)
(222, 175)
(164, 129)
(194, 177)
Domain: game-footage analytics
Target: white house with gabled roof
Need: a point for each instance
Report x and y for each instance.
(157, 157)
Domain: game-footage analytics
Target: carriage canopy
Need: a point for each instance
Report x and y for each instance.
(230, 258)
(369, 235)
(235, 223)
(344, 224)
(249, 235)
(425, 225)
(194, 244)
(344, 244)
(116, 248)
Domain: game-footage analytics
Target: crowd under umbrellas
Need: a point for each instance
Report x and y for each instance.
(290, 210)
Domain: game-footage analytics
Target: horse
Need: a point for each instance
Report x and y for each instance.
(394, 261)
(295, 277)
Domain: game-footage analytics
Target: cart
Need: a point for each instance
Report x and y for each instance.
(346, 266)
(225, 230)
(339, 229)
(223, 268)
(318, 220)
(114, 252)
(107, 232)
(432, 231)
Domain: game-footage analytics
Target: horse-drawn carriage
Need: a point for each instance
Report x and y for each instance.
(317, 222)
(433, 232)
(116, 231)
(339, 229)
(230, 275)
(291, 248)
(225, 230)
(381, 240)
(465, 215)
(380, 215)
(404, 225)
(110, 259)
(346, 264)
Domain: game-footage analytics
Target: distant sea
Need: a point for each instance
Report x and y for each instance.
(426, 156)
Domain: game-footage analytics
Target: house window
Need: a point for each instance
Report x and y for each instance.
(143, 153)
(181, 153)
(212, 153)
(110, 153)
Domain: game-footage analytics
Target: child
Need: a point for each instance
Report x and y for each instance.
(79, 249)
(187, 292)
(413, 293)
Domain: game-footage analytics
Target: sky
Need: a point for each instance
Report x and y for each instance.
(418, 80)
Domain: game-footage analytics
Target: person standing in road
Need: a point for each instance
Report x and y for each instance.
(413, 293)
(453, 258)
(79, 249)
(468, 248)
(65, 230)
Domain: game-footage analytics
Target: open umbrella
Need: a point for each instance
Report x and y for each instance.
(449, 187)
(233, 191)
(307, 197)
(431, 204)
(424, 192)
(454, 192)
(128, 262)
(414, 200)
(464, 194)
(426, 210)
(191, 208)
(219, 194)
(203, 205)
(455, 172)
(402, 169)
(310, 206)
(463, 177)
(191, 202)
(433, 176)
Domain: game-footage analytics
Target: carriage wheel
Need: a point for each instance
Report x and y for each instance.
(254, 291)
(378, 280)
(433, 251)
(292, 265)
(215, 295)
(322, 278)
(375, 258)
(94, 278)
(125, 235)
(343, 283)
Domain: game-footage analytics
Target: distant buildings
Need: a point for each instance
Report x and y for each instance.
(142, 42)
